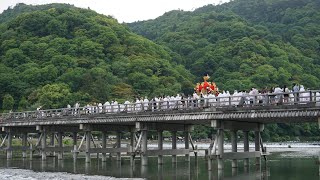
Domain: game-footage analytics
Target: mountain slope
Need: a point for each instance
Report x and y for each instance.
(58, 54)
(239, 46)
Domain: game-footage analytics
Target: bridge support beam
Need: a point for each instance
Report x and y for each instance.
(52, 136)
(221, 148)
(174, 145)
(104, 145)
(24, 145)
(60, 144)
(160, 146)
(257, 145)
(9, 145)
(132, 145)
(246, 148)
(234, 139)
(144, 148)
(186, 144)
(88, 140)
(118, 145)
(43, 144)
(75, 153)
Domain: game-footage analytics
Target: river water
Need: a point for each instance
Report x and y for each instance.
(294, 163)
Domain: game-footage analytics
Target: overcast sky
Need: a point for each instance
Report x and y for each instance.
(124, 10)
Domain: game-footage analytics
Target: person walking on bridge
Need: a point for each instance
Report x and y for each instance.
(296, 89)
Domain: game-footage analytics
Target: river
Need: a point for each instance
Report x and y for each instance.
(287, 161)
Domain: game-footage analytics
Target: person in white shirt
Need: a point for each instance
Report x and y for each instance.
(100, 107)
(76, 108)
(303, 95)
(145, 104)
(211, 99)
(106, 107)
(137, 105)
(115, 106)
(127, 105)
(195, 98)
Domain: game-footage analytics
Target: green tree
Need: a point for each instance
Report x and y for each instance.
(23, 104)
(123, 91)
(53, 95)
(7, 102)
(14, 57)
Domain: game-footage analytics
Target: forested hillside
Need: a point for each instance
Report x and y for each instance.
(244, 44)
(54, 55)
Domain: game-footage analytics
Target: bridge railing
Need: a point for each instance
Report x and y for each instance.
(269, 99)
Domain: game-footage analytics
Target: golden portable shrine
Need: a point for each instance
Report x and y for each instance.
(206, 87)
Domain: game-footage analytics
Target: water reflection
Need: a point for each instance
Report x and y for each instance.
(246, 169)
(144, 171)
(174, 169)
(234, 171)
(87, 168)
(43, 166)
(195, 169)
(160, 172)
(24, 163)
(60, 165)
(119, 167)
(75, 166)
(9, 161)
(220, 174)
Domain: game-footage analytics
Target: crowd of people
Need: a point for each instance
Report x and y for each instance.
(273, 96)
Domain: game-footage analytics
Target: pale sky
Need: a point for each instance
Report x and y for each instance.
(124, 10)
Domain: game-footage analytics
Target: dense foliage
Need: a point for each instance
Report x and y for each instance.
(56, 54)
(244, 44)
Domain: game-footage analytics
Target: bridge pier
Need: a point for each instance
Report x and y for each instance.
(234, 139)
(257, 145)
(246, 148)
(174, 145)
(220, 148)
(144, 148)
(9, 145)
(52, 143)
(186, 141)
(74, 138)
(160, 146)
(132, 145)
(60, 145)
(43, 143)
(104, 145)
(118, 145)
(88, 137)
(24, 144)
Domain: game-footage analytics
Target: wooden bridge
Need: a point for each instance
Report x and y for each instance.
(234, 113)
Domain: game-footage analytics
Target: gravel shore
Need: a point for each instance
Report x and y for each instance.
(23, 174)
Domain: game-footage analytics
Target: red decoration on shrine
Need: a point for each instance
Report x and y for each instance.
(206, 87)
